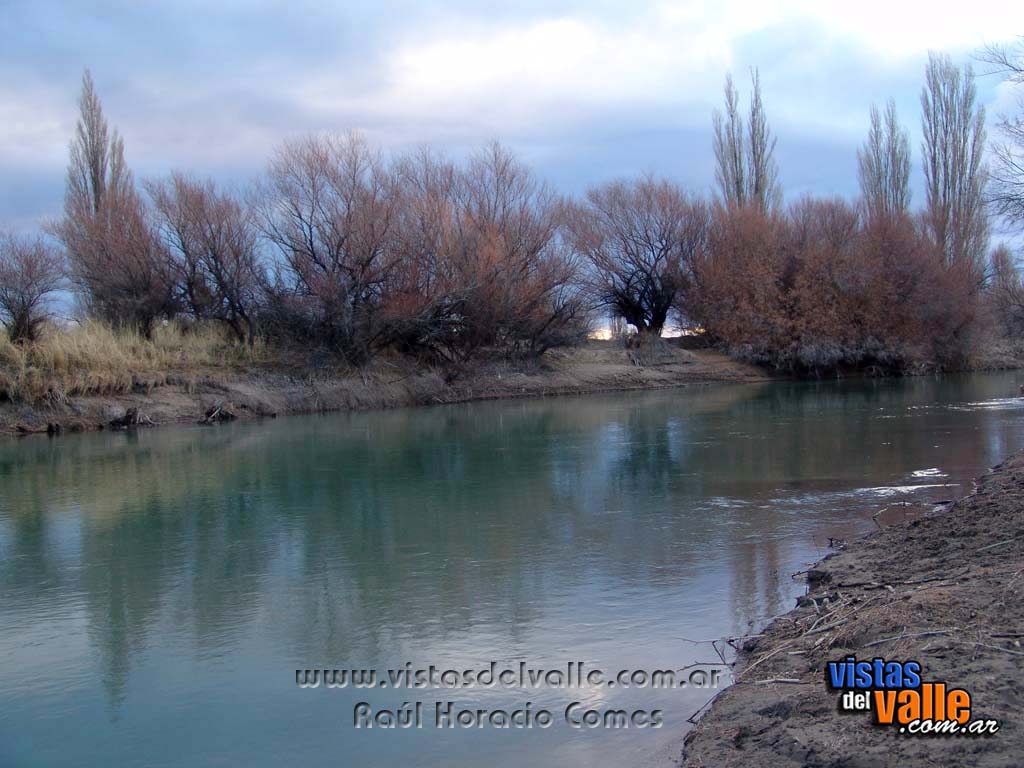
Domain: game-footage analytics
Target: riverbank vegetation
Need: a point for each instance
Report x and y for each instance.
(91, 358)
(340, 252)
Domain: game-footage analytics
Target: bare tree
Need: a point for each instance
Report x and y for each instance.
(483, 260)
(762, 172)
(511, 229)
(1006, 290)
(31, 272)
(91, 150)
(745, 166)
(641, 239)
(115, 258)
(330, 207)
(884, 166)
(1006, 184)
(955, 177)
(213, 240)
(427, 295)
(729, 144)
(434, 258)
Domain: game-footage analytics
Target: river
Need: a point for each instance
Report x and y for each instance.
(159, 589)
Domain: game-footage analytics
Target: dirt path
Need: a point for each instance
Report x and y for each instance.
(944, 590)
(185, 396)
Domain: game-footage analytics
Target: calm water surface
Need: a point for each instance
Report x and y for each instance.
(158, 590)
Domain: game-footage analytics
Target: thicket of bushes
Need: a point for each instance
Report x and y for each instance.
(340, 248)
(820, 287)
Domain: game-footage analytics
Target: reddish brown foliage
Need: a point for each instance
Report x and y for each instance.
(437, 259)
(116, 259)
(212, 241)
(820, 289)
(330, 207)
(444, 260)
(740, 277)
(500, 276)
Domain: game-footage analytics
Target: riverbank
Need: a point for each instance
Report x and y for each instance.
(944, 589)
(182, 394)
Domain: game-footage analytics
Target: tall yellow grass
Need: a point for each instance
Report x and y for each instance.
(92, 358)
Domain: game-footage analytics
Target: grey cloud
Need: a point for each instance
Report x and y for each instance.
(212, 88)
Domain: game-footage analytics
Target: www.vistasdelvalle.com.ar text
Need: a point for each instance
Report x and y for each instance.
(573, 674)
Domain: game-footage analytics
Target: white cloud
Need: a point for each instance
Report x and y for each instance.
(899, 29)
(534, 70)
(491, 75)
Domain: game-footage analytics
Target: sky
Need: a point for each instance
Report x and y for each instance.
(585, 92)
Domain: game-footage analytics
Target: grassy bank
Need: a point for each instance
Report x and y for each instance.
(944, 590)
(86, 376)
(93, 359)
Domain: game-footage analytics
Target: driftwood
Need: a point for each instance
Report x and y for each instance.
(217, 413)
(132, 418)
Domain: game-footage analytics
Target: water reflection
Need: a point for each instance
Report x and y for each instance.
(172, 576)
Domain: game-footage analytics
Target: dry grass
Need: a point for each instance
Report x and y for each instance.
(93, 359)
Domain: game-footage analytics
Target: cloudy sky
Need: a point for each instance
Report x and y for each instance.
(584, 91)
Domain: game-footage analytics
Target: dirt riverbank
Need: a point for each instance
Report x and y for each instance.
(186, 396)
(945, 589)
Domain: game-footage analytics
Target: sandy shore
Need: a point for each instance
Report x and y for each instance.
(944, 589)
(186, 396)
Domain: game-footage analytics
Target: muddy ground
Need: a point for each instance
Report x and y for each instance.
(187, 396)
(945, 589)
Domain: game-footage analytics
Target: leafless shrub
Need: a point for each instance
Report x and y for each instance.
(436, 259)
(212, 240)
(484, 263)
(513, 253)
(31, 272)
(740, 278)
(329, 207)
(822, 289)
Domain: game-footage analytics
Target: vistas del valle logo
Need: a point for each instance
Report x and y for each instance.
(898, 698)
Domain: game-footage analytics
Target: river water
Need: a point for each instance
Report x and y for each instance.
(159, 589)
